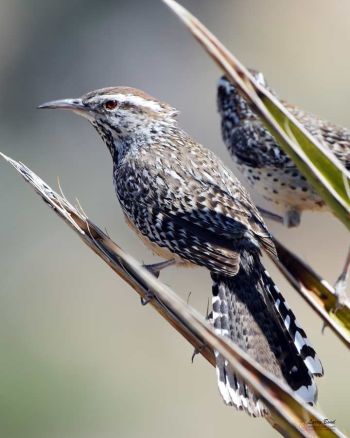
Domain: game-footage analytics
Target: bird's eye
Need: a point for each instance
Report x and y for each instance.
(110, 104)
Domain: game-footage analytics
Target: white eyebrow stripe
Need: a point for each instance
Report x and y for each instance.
(135, 100)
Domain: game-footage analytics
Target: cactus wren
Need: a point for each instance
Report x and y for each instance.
(186, 205)
(269, 171)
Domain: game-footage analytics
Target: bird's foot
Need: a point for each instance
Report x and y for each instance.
(155, 268)
(197, 351)
(291, 218)
(147, 298)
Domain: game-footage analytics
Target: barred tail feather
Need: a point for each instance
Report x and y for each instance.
(233, 390)
(293, 328)
(246, 310)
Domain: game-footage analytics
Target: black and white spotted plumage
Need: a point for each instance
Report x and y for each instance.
(184, 202)
(269, 171)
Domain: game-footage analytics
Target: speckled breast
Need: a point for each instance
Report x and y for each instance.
(284, 187)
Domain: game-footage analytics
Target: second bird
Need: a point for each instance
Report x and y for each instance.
(269, 171)
(188, 207)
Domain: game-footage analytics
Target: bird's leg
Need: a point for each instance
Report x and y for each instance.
(290, 219)
(269, 215)
(155, 269)
(341, 283)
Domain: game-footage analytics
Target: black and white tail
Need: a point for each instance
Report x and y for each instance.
(250, 310)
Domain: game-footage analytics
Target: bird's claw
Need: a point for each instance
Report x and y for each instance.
(147, 298)
(155, 268)
(153, 271)
(196, 351)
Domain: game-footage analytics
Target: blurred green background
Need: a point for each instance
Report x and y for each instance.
(79, 355)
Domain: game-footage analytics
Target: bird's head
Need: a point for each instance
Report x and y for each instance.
(120, 114)
(228, 95)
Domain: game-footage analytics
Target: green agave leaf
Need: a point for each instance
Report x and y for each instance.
(316, 291)
(318, 164)
(289, 415)
(324, 170)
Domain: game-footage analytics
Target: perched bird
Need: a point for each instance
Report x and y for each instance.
(269, 171)
(188, 207)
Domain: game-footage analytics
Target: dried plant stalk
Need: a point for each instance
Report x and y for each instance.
(288, 414)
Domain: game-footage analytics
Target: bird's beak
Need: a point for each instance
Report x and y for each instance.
(75, 105)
